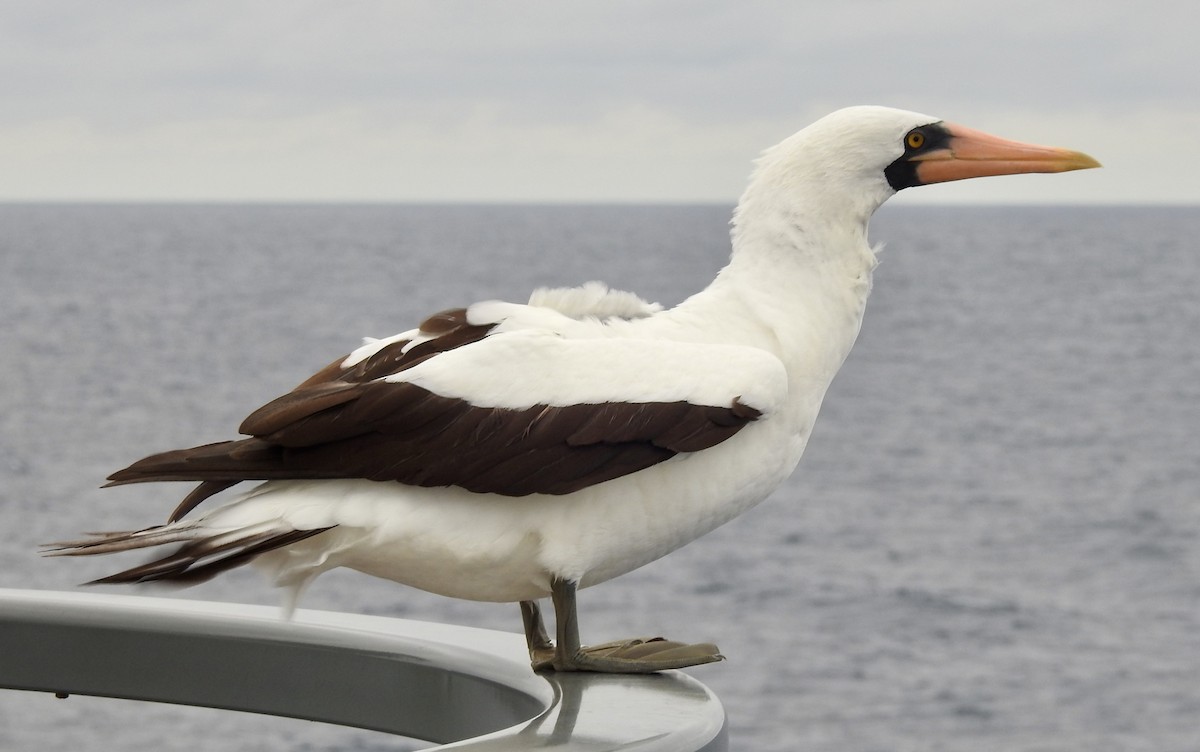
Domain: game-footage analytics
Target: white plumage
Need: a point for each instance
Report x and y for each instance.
(709, 403)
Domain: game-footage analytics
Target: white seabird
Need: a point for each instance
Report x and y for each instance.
(505, 452)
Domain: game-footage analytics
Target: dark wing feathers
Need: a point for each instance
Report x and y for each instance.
(295, 406)
(348, 423)
(617, 422)
(199, 494)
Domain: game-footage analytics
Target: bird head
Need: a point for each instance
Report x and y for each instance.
(858, 157)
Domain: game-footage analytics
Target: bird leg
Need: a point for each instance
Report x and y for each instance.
(541, 649)
(634, 656)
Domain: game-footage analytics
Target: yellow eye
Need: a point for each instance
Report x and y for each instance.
(915, 139)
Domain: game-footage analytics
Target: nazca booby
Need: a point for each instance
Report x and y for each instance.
(506, 452)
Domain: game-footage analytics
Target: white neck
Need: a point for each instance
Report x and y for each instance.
(796, 286)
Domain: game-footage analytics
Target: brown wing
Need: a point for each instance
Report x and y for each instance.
(348, 423)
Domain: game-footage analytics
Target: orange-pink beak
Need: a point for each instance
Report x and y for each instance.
(972, 154)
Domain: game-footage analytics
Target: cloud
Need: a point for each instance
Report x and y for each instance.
(528, 100)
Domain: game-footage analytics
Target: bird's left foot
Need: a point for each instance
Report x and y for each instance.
(635, 656)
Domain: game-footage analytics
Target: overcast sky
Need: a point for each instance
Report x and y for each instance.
(570, 101)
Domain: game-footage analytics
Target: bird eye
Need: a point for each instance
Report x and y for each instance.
(915, 139)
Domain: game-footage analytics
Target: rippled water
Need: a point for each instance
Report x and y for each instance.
(992, 543)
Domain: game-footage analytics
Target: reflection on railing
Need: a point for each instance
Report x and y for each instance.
(467, 688)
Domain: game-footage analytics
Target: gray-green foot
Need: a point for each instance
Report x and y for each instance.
(636, 656)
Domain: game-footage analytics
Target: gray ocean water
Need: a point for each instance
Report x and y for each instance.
(993, 542)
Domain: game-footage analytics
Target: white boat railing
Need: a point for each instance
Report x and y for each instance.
(462, 687)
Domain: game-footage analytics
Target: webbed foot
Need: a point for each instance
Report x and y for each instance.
(634, 656)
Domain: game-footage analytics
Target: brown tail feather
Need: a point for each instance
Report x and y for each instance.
(197, 560)
(114, 542)
(184, 567)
